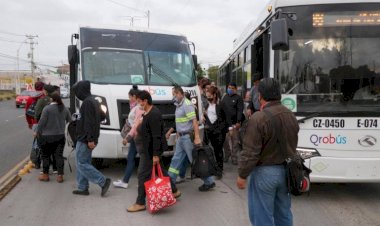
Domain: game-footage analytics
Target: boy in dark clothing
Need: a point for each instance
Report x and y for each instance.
(88, 130)
(43, 101)
(234, 106)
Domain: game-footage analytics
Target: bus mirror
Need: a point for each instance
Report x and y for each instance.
(195, 60)
(279, 33)
(72, 53)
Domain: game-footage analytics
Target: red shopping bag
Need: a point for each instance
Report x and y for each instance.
(158, 191)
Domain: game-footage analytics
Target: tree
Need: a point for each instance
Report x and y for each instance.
(213, 73)
(200, 72)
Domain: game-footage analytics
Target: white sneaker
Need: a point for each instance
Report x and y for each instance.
(180, 180)
(120, 184)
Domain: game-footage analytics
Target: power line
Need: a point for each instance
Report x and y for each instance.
(120, 4)
(10, 33)
(8, 40)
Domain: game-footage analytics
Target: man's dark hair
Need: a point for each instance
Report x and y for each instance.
(204, 82)
(145, 95)
(232, 84)
(178, 89)
(269, 88)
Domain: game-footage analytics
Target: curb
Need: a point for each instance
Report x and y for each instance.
(11, 179)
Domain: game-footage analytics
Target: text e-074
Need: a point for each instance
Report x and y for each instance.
(367, 123)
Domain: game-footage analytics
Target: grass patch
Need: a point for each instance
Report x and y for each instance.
(7, 95)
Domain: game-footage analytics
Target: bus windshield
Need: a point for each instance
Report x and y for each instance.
(333, 64)
(133, 57)
(166, 68)
(130, 67)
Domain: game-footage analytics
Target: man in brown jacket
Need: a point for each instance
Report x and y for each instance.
(263, 160)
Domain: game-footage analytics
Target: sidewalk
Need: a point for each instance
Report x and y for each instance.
(33, 202)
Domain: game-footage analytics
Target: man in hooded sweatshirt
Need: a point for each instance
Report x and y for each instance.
(88, 129)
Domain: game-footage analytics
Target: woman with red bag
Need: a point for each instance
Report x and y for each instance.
(153, 134)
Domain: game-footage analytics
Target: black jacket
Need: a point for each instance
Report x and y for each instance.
(222, 122)
(88, 124)
(153, 133)
(234, 107)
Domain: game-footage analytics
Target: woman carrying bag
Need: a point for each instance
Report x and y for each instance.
(216, 125)
(134, 119)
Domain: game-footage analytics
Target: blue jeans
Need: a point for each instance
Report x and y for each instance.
(184, 147)
(269, 202)
(182, 170)
(85, 170)
(132, 152)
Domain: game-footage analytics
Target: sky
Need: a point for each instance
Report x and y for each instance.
(212, 25)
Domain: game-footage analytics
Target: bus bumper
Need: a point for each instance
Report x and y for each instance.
(344, 170)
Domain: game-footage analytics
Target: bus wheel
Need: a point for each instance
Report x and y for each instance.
(97, 163)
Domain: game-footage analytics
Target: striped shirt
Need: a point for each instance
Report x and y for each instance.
(184, 116)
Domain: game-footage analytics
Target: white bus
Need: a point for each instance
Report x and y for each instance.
(114, 59)
(326, 55)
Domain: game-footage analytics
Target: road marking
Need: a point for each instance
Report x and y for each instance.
(20, 116)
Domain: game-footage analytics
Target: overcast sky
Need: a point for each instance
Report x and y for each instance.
(212, 24)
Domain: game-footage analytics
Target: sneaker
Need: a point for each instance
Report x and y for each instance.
(41, 172)
(120, 184)
(81, 192)
(59, 178)
(55, 172)
(180, 180)
(177, 194)
(105, 187)
(206, 187)
(43, 177)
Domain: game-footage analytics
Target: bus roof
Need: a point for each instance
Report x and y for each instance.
(129, 28)
(283, 3)
(253, 25)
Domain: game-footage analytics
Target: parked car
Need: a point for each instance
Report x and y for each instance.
(64, 92)
(23, 97)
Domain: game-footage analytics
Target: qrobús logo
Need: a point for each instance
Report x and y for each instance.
(156, 91)
(327, 140)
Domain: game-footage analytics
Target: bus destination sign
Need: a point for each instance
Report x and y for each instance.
(346, 18)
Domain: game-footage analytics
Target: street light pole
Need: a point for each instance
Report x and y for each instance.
(18, 88)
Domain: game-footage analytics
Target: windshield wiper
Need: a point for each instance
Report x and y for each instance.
(159, 72)
(310, 117)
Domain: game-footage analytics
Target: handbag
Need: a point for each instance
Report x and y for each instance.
(35, 154)
(158, 191)
(125, 130)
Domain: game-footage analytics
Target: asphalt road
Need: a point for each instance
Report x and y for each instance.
(15, 136)
(39, 203)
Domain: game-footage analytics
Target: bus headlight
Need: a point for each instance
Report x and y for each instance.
(307, 153)
(104, 108)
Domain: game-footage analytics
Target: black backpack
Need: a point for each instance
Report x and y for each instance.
(204, 163)
(297, 174)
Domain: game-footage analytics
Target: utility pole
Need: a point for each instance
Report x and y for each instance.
(31, 54)
(148, 15)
